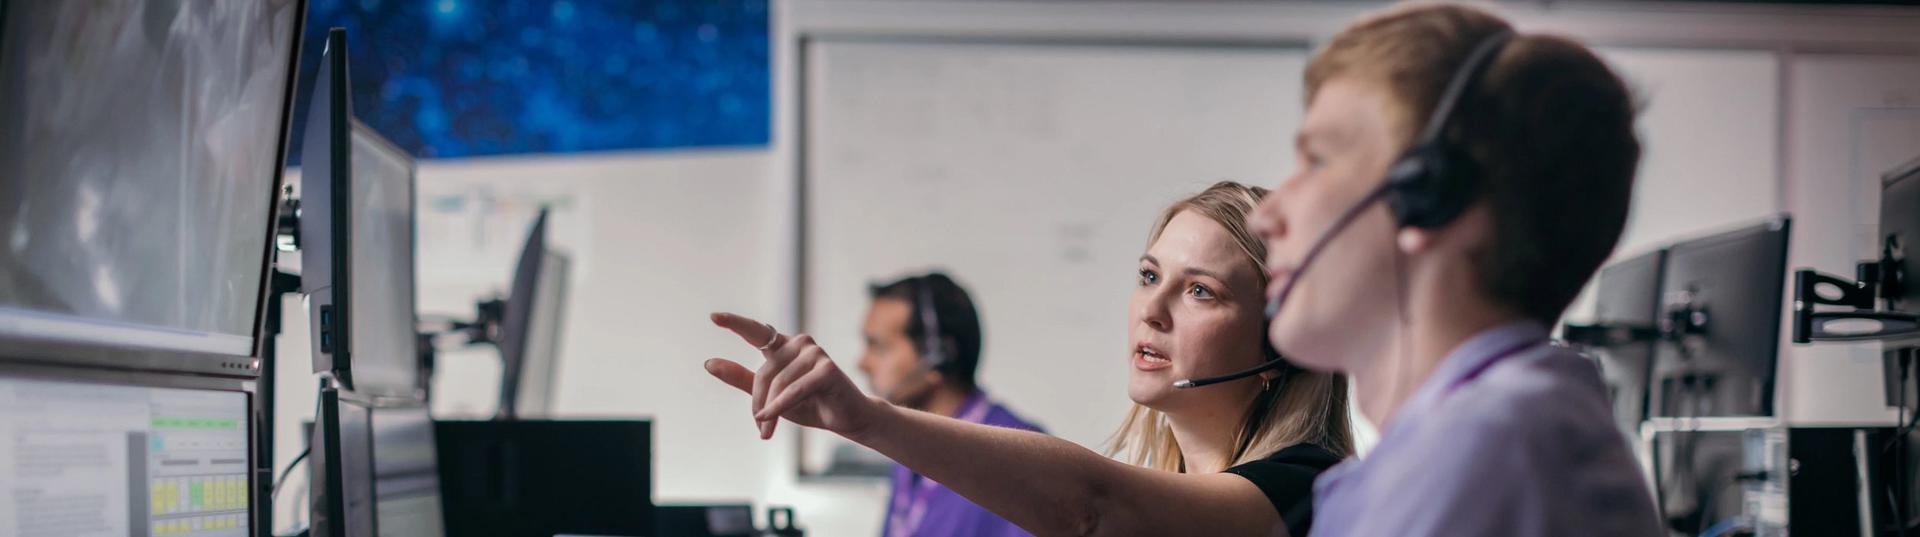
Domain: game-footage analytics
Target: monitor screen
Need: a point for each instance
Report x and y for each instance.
(377, 472)
(102, 459)
(138, 170)
(1735, 284)
(1627, 293)
(382, 348)
(406, 474)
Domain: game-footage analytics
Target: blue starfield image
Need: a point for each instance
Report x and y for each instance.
(461, 78)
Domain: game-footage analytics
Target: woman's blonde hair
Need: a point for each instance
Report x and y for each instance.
(1301, 407)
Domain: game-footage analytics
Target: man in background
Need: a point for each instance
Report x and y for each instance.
(922, 338)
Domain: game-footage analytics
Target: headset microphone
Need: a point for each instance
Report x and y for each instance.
(1427, 187)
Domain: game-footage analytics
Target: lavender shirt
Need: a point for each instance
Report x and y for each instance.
(941, 512)
(1509, 436)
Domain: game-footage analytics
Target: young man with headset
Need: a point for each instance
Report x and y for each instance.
(922, 348)
(1458, 185)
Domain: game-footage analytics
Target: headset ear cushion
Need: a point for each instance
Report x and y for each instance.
(1406, 187)
(1425, 188)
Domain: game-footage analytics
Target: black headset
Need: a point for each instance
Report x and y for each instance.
(1434, 181)
(1427, 188)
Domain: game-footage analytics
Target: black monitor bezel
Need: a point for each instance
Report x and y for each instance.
(331, 236)
(55, 352)
(518, 319)
(68, 373)
(543, 360)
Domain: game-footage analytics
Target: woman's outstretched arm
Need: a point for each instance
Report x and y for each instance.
(1044, 484)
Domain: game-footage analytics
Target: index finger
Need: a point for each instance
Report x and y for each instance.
(754, 332)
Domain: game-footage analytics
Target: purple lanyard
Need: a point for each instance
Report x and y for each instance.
(910, 510)
(1482, 367)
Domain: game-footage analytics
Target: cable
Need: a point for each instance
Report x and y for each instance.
(273, 494)
(282, 480)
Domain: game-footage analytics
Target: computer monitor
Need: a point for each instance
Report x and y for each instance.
(374, 467)
(540, 361)
(1899, 232)
(340, 466)
(516, 334)
(139, 176)
(406, 473)
(1721, 302)
(114, 453)
(357, 232)
(1627, 293)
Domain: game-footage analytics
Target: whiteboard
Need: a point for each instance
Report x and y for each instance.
(1032, 173)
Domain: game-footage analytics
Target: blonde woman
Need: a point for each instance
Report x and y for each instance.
(1235, 458)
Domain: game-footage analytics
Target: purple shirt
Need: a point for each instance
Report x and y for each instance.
(920, 507)
(1508, 436)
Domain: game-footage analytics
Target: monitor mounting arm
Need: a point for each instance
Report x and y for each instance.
(1676, 322)
(485, 328)
(1874, 280)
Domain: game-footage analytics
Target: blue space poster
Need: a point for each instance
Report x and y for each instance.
(463, 78)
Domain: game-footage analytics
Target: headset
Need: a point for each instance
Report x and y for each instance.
(936, 350)
(1426, 188)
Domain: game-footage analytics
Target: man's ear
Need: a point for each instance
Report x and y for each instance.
(1413, 240)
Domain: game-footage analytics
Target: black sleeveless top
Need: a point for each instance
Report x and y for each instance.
(1286, 477)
